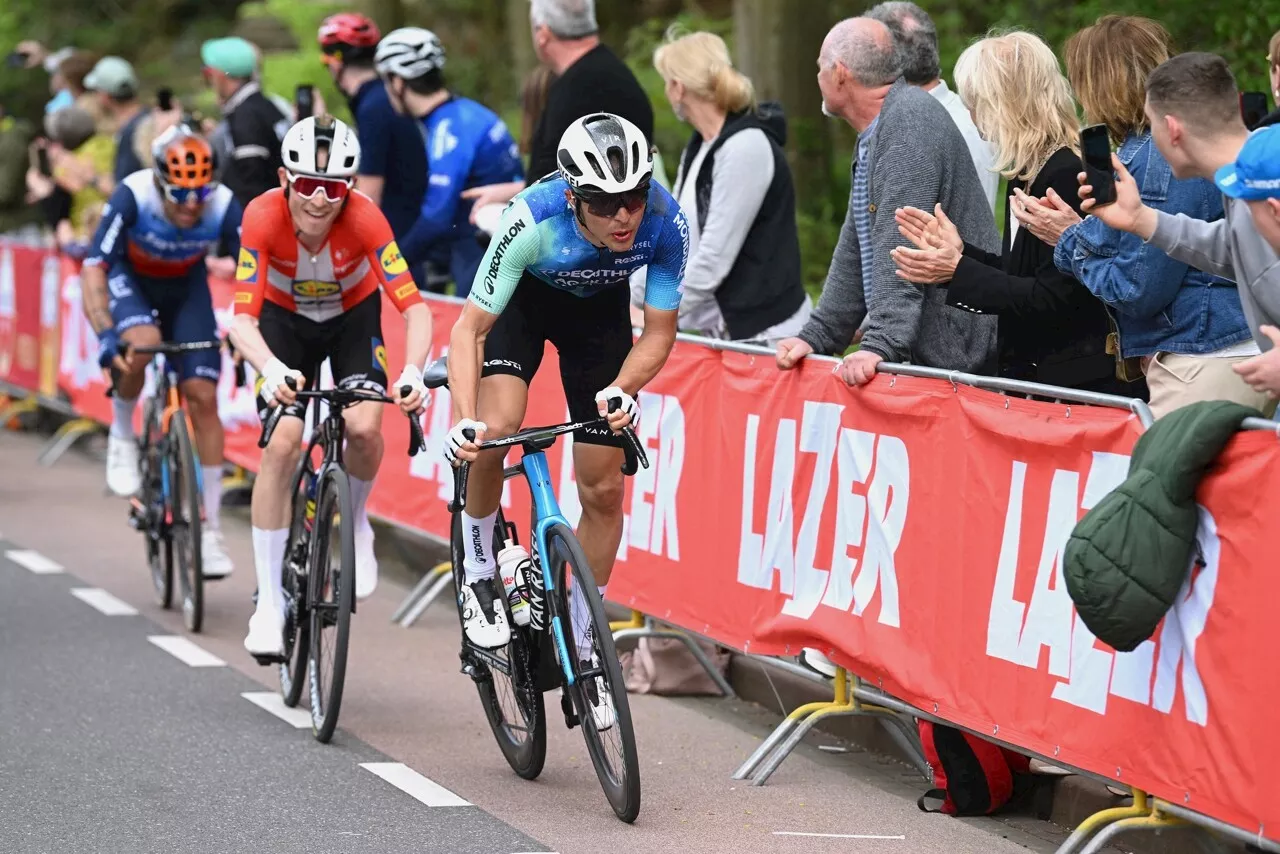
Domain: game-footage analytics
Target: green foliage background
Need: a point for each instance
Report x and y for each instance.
(488, 46)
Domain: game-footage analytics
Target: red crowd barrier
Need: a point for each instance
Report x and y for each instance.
(911, 528)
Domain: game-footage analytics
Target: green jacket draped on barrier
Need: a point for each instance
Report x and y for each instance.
(1127, 558)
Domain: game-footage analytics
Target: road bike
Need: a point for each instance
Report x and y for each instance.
(318, 575)
(511, 680)
(168, 508)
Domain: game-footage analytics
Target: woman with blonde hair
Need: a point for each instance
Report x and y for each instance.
(1052, 330)
(742, 281)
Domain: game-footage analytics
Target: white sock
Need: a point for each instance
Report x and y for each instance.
(360, 490)
(122, 418)
(580, 616)
(211, 480)
(477, 535)
(268, 557)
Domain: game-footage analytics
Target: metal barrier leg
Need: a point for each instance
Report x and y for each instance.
(18, 407)
(908, 740)
(66, 436)
(646, 630)
(440, 576)
(1155, 821)
(637, 621)
(800, 719)
(778, 734)
(1090, 825)
(238, 479)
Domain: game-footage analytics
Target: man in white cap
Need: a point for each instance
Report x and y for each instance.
(116, 85)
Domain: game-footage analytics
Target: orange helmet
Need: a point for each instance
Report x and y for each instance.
(183, 158)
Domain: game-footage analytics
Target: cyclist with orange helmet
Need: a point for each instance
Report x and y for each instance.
(144, 282)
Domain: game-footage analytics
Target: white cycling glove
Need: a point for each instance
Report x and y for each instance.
(627, 404)
(456, 440)
(411, 376)
(274, 373)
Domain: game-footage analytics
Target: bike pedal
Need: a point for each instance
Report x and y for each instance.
(268, 660)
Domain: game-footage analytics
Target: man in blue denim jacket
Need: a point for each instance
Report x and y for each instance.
(1193, 107)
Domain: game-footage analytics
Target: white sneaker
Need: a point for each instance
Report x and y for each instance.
(818, 662)
(483, 617)
(366, 563)
(602, 711)
(266, 632)
(123, 477)
(213, 554)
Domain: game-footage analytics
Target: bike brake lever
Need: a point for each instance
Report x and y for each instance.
(417, 442)
(270, 427)
(633, 441)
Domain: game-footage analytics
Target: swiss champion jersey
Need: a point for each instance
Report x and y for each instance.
(359, 254)
(539, 233)
(134, 231)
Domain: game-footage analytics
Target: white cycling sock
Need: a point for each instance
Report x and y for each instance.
(122, 417)
(268, 559)
(360, 490)
(477, 538)
(211, 480)
(580, 616)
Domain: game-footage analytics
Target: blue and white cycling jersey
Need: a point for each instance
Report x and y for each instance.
(135, 232)
(468, 145)
(538, 233)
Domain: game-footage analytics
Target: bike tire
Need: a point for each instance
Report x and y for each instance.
(297, 629)
(158, 545)
(528, 756)
(621, 785)
(333, 496)
(184, 507)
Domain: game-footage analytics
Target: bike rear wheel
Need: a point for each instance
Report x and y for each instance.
(184, 510)
(512, 702)
(331, 579)
(613, 750)
(297, 626)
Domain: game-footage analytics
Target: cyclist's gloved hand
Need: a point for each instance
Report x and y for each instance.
(628, 412)
(108, 347)
(274, 390)
(458, 448)
(411, 376)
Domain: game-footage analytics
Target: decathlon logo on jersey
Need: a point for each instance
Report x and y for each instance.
(393, 263)
(491, 277)
(247, 266)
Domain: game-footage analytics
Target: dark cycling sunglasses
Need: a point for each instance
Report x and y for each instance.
(186, 195)
(334, 189)
(607, 204)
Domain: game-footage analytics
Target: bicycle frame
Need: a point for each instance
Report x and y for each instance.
(537, 473)
(167, 386)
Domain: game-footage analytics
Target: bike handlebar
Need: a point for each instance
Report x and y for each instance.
(338, 399)
(164, 348)
(634, 450)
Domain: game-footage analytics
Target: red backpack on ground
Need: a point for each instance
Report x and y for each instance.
(971, 776)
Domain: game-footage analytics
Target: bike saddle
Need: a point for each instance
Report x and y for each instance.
(437, 373)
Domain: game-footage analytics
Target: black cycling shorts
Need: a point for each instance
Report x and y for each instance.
(352, 342)
(591, 334)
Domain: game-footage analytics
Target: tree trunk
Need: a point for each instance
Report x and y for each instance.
(389, 14)
(519, 41)
(778, 50)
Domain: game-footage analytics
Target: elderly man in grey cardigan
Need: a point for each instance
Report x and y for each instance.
(909, 153)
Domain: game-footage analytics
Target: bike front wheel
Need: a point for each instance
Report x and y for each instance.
(158, 543)
(331, 590)
(297, 623)
(612, 747)
(184, 513)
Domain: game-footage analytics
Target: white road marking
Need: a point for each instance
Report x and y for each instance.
(272, 702)
(33, 561)
(103, 601)
(414, 784)
(186, 652)
(835, 835)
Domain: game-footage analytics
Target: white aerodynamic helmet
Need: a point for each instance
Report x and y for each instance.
(409, 52)
(604, 153)
(303, 140)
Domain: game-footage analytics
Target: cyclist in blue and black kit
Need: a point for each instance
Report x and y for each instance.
(145, 281)
(557, 270)
(468, 145)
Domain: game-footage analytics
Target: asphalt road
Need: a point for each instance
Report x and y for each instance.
(109, 742)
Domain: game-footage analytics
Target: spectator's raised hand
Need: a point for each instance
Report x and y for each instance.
(791, 351)
(1127, 212)
(1045, 218)
(491, 194)
(1262, 372)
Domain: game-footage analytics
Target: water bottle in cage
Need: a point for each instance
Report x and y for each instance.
(514, 567)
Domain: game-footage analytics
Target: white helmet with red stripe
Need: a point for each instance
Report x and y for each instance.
(307, 138)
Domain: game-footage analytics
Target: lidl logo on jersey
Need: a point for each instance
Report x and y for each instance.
(393, 263)
(247, 266)
(315, 290)
(379, 355)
